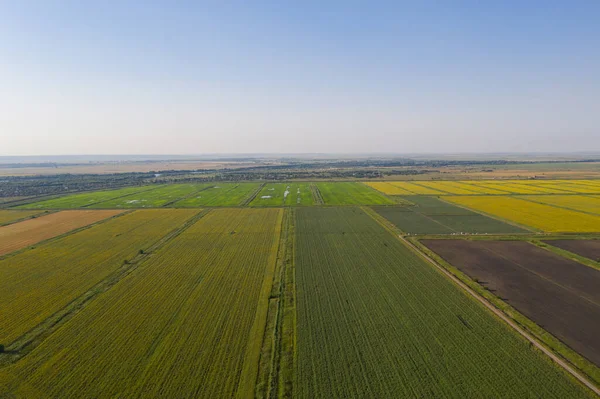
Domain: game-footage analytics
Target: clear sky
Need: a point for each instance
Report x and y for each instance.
(193, 77)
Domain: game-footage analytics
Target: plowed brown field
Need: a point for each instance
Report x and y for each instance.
(586, 248)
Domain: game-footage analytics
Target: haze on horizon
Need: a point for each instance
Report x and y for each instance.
(126, 77)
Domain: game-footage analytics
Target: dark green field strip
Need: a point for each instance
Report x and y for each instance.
(351, 193)
(161, 196)
(374, 320)
(412, 222)
(429, 215)
(435, 206)
(219, 194)
(85, 199)
(477, 224)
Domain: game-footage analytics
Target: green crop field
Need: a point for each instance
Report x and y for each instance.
(38, 282)
(86, 199)
(430, 215)
(375, 320)
(220, 194)
(351, 194)
(189, 323)
(162, 196)
(284, 194)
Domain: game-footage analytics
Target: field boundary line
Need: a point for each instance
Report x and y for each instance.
(68, 233)
(20, 347)
(565, 254)
(168, 204)
(249, 372)
(441, 192)
(316, 193)
(34, 216)
(269, 354)
(560, 206)
(559, 361)
(246, 201)
(540, 276)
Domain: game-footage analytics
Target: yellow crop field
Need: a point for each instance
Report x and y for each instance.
(417, 188)
(37, 283)
(450, 187)
(581, 188)
(482, 188)
(575, 202)
(188, 323)
(543, 217)
(20, 235)
(10, 216)
(388, 188)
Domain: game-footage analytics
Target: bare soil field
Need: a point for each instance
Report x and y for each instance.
(587, 248)
(19, 235)
(558, 294)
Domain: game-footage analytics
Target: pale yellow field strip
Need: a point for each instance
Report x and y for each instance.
(581, 188)
(454, 187)
(20, 235)
(554, 189)
(543, 217)
(446, 189)
(417, 188)
(574, 202)
(483, 188)
(388, 188)
(517, 188)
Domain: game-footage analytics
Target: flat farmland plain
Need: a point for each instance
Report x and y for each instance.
(11, 216)
(85, 199)
(375, 320)
(351, 194)
(20, 235)
(558, 294)
(220, 194)
(539, 216)
(37, 283)
(188, 323)
(158, 197)
(587, 248)
(284, 194)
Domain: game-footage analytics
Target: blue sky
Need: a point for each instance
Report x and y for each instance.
(122, 77)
